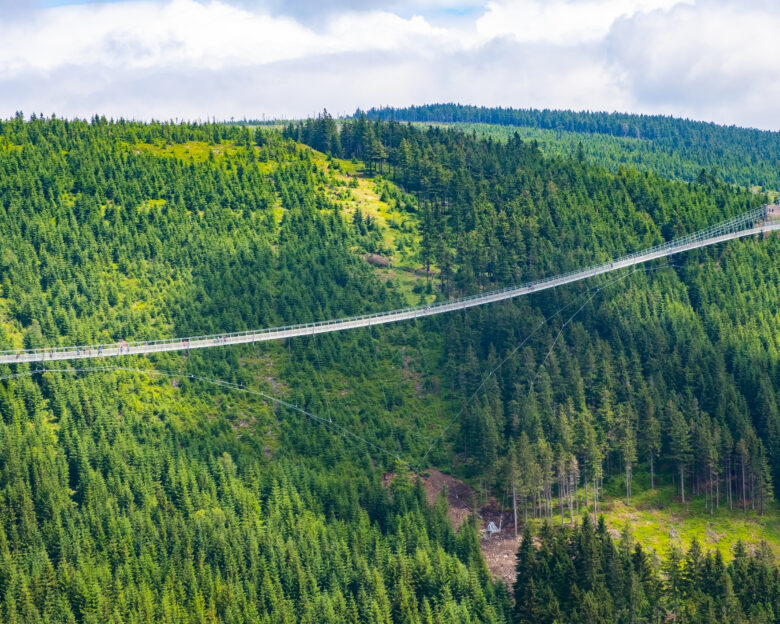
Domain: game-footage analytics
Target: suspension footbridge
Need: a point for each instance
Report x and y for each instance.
(755, 222)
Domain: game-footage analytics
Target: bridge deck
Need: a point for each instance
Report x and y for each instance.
(762, 220)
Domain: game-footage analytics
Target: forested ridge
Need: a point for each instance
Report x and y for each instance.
(128, 498)
(673, 375)
(494, 213)
(134, 497)
(667, 145)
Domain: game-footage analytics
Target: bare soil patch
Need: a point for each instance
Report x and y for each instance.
(500, 548)
(499, 552)
(460, 496)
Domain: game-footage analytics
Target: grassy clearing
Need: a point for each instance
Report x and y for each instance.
(7, 146)
(197, 151)
(658, 519)
(381, 200)
(412, 286)
(349, 187)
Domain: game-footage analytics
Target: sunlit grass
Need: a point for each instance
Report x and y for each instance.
(197, 151)
(659, 520)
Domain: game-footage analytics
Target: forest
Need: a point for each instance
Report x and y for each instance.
(479, 234)
(669, 146)
(146, 489)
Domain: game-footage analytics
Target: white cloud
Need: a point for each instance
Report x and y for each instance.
(564, 22)
(380, 30)
(711, 59)
(718, 60)
(313, 13)
(186, 33)
(135, 35)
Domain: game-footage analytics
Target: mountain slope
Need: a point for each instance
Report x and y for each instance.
(151, 493)
(669, 146)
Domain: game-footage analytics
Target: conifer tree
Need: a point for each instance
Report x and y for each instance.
(679, 441)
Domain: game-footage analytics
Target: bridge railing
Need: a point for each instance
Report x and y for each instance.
(741, 222)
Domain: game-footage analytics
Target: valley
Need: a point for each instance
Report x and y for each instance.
(300, 480)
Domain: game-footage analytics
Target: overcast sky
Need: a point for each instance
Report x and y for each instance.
(714, 60)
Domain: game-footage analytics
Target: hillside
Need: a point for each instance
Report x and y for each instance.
(668, 146)
(660, 356)
(156, 492)
(132, 497)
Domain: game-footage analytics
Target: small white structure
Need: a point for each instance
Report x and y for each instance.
(491, 529)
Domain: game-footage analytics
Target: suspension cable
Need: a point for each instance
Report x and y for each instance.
(520, 345)
(328, 424)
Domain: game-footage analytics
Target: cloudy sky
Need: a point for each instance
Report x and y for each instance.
(706, 59)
